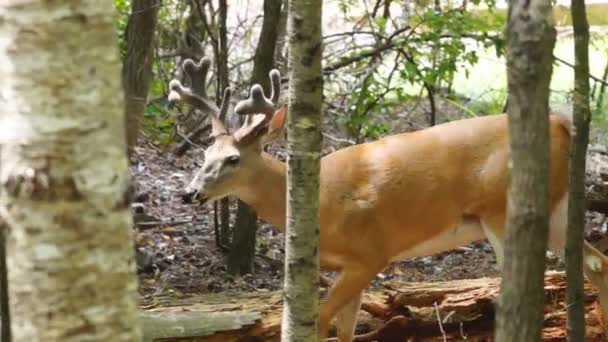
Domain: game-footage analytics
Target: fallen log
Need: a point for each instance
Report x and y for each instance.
(438, 311)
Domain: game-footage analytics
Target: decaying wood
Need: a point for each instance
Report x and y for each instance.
(399, 312)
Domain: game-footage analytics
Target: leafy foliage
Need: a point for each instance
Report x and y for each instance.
(123, 8)
(435, 45)
(386, 60)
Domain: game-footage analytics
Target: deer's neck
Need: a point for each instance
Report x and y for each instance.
(266, 190)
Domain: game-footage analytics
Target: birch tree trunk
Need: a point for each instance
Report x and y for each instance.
(137, 68)
(578, 153)
(63, 173)
(303, 165)
(530, 41)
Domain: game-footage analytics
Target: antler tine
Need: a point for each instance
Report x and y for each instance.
(184, 94)
(275, 83)
(257, 103)
(198, 74)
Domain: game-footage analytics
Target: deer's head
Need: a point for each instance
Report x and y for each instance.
(231, 159)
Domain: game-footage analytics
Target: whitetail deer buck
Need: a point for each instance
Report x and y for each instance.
(403, 196)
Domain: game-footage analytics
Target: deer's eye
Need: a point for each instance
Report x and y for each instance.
(233, 160)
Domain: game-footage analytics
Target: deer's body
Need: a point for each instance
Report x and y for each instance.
(402, 196)
(432, 186)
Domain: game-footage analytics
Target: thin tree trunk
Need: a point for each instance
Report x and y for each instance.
(240, 259)
(222, 72)
(137, 67)
(5, 329)
(242, 248)
(264, 53)
(300, 311)
(578, 152)
(222, 58)
(602, 92)
(280, 56)
(63, 174)
(530, 41)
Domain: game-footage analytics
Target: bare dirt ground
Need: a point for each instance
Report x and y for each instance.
(179, 256)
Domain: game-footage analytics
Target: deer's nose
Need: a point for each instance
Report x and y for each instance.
(188, 196)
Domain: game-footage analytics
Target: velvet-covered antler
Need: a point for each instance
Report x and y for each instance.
(198, 73)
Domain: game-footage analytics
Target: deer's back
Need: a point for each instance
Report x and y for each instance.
(425, 181)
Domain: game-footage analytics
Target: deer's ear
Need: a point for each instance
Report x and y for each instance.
(275, 126)
(258, 131)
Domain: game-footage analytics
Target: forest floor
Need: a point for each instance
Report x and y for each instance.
(179, 255)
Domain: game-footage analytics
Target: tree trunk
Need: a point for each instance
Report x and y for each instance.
(602, 92)
(222, 72)
(222, 58)
(63, 174)
(300, 310)
(578, 154)
(5, 314)
(242, 248)
(240, 259)
(530, 41)
(280, 56)
(137, 67)
(263, 60)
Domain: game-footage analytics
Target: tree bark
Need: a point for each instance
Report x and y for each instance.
(137, 67)
(602, 92)
(240, 259)
(5, 314)
(242, 248)
(63, 174)
(300, 310)
(222, 58)
(530, 41)
(578, 158)
(280, 56)
(222, 72)
(263, 60)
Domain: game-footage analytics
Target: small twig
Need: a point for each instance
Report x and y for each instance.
(464, 337)
(596, 79)
(388, 44)
(203, 18)
(149, 142)
(445, 338)
(187, 139)
(340, 140)
(447, 317)
(151, 224)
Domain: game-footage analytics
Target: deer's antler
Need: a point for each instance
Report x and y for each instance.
(197, 73)
(179, 93)
(257, 102)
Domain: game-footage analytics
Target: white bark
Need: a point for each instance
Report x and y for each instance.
(304, 146)
(63, 173)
